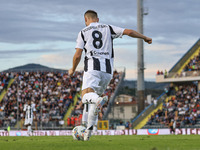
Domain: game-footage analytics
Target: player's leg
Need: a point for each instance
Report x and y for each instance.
(105, 80)
(29, 130)
(89, 96)
(91, 83)
(85, 115)
(26, 123)
(95, 126)
(30, 121)
(93, 98)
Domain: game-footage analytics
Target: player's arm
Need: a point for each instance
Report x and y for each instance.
(166, 113)
(76, 60)
(176, 113)
(24, 114)
(35, 115)
(79, 106)
(135, 34)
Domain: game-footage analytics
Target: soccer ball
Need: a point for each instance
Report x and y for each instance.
(77, 131)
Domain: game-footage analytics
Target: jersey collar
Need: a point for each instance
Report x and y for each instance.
(92, 23)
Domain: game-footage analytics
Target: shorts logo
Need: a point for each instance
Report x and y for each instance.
(153, 131)
(89, 101)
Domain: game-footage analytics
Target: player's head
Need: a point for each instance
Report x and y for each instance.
(90, 16)
(29, 102)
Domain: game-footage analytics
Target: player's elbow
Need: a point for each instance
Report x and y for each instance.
(128, 32)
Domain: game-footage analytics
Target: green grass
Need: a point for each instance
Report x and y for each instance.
(123, 142)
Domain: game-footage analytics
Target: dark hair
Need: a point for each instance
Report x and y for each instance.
(91, 13)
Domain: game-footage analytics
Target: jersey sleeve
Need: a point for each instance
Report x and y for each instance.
(79, 41)
(116, 32)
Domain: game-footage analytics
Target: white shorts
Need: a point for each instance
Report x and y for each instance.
(96, 80)
(85, 114)
(28, 121)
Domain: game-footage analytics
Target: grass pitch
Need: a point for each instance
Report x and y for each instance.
(123, 142)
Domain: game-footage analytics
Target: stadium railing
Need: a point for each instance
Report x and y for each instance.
(112, 99)
(147, 110)
(185, 74)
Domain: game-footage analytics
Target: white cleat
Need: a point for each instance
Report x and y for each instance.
(101, 101)
(86, 135)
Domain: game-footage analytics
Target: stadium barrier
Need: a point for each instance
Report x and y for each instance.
(112, 99)
(103, 125)
(5, 90)
(183, 131)
(147, 110)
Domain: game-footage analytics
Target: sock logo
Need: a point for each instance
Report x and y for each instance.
(89, 101)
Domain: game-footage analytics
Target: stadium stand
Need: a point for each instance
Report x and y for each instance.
(59, 92)
(55, 89)
(186, 67)
(183, 108)
(180, 105)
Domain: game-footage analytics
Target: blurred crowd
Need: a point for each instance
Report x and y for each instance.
(180, 110)
(4, 79)
(192, 68)
(53, 92)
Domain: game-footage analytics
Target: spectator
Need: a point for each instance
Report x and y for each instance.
(127, 125)
(68, 121)
(72, 121)
(149, 121)
(155, 103)
(165, 73)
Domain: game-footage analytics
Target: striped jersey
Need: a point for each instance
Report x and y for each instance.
(29, 109)
(97, 41)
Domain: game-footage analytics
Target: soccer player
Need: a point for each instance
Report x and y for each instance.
(96, 39)
(171, 112)
(29, 110)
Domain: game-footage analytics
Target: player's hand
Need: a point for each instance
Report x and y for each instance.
(148, 40)
(78, 107)
(71, 72)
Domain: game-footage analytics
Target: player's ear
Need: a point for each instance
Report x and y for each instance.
(85, 19)
(97, 19)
